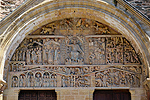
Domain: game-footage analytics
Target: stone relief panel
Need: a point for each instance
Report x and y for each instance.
(39, 51)
(130, 55)
(78, 76)
(35, 79)
(116, 78)
(75, 52)
(75, 81)
(114, 52)
(78, 26)
(97, 51)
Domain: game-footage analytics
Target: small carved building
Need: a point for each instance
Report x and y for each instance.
(75, 50)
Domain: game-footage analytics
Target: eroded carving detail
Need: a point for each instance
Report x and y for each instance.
(75, 81)
(114, 50)
(100, 51)
(14, 81)
(116, 78)
(30, 79)
(71, 76)
(73, 51)
(97, 50)
(130, 56)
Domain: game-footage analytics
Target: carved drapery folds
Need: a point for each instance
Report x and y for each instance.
(32, 79)
(78, 76)
(73, 51)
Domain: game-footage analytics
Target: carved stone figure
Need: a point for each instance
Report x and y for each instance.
(33, 56)
(45, 57)
(56, 56)
(15, 67)
(50, 55)
(71, 81)
(38, 80)
(75, 52)
(28, 57)
(30, 78)
(105, 78)
(22, 81)
(53, 82)
(39, 55)
(14, 81)
(20, 55)
(23, 55)
(91, 43)
(47, 43)
(63, 83)
(46, 80)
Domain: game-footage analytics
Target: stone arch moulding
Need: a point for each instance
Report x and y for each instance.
(50, 11)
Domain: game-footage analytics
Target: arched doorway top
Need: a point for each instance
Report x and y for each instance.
(47, 12)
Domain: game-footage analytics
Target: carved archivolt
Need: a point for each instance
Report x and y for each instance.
(72, 53)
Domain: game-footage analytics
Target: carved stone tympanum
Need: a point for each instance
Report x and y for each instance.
(74, 52)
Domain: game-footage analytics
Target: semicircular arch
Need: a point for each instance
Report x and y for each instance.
(48, 12)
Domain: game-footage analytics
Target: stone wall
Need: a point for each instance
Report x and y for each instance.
(142, 5)
(7, 6)
(74, 94)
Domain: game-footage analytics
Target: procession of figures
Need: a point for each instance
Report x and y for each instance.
(45, 51)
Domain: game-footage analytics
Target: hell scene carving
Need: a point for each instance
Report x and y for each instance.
(115, 78)
(75, 52)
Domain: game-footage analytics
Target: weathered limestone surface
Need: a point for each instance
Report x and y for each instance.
(142, 5)
(8, 6)
(138, 94)
(10, 94)
(75, 94)
(24, 21)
